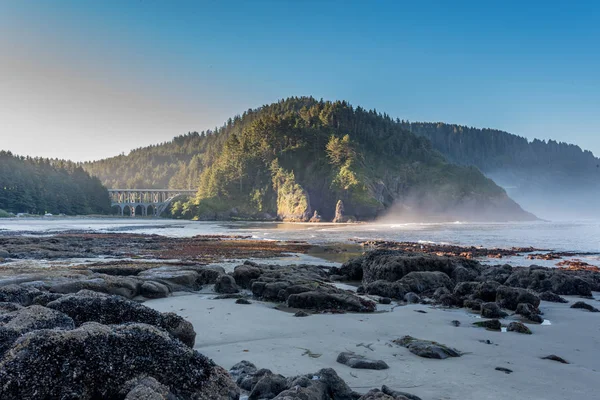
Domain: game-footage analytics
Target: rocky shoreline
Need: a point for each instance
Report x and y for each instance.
(82, 332)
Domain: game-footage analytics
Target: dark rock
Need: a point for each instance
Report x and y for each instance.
(391, 266)
(242, 301)
(585, 306)
(359, 362)
(412, 298)
(245, 274)
(208, 275)
(154, 290)
(394, 290)
(226, 284)
(301, 314)
(119, 285)
(422, 281)
(509, 297)
(496, 273)
(376, 394)
(145, 388)
(324, 384)
(242, 370)
(326, 301)
(462, 274)
(87, 306)
(397, 394)
(175, 278)
(45, 298)
(554, 357)
(23, 320)
(519, 328)
(490, 325)
(505, 370)
(426, 348)
(96, 361)
(18, 294)
(268, 387)
(9, 307)
(552, 297)
(491, 310)
(464, 289)
(455, 322)
(441, 291)
(473, 304)
(448, 300)
(542, 279)
(486, 291)
(385, 300)
(530, 312)
(249, 380)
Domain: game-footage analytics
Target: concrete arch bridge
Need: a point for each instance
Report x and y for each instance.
(144, 202)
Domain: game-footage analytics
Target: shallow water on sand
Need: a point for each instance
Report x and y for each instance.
(579, 236)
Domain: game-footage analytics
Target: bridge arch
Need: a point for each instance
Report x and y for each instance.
(144, 202)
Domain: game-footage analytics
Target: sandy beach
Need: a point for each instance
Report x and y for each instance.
(229, 333)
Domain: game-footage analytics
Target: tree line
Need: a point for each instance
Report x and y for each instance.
(40, 185)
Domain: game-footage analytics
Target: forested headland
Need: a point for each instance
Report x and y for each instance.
(39, 186)
(298, 158)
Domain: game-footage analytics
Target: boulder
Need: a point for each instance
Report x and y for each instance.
(519, 328)
(496, 273)
(473, 304)
(585, 306)
(240, 371)
(486, 291)
(154, 290)
(510, 297)
(491, 310)
(245, 274)
(175, 278)
(422, 281)
(530, 312)
(490, 324)
(6, 307)
(412, 298)
(395, 394)
(394, 290)
(554, 357)
(324, 384)
(145, 388)
(393, 265)
(119, 285)
(226, 284)
(87, 306)
(464, 289)
(97, 361)
(45, 298)
(321, 301)
(360, 362)
(19, 294)
(426, 348)
(243, 301)
(269, 386)
(552, 297)
(542, 279)
(208, 275)
(23, 320)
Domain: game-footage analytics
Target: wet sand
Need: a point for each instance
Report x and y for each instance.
(229, 333)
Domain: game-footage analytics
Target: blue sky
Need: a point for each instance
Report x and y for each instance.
(90, 79)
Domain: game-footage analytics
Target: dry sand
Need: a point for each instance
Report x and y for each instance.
(229, 332)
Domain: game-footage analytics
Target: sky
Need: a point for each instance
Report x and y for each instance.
(85, 80)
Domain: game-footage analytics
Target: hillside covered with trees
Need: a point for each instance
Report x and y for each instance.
(38, 186)
(299, 156)
(548, 177)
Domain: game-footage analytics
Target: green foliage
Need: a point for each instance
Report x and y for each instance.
(296, 155)
(38, 186)
(5, 214)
